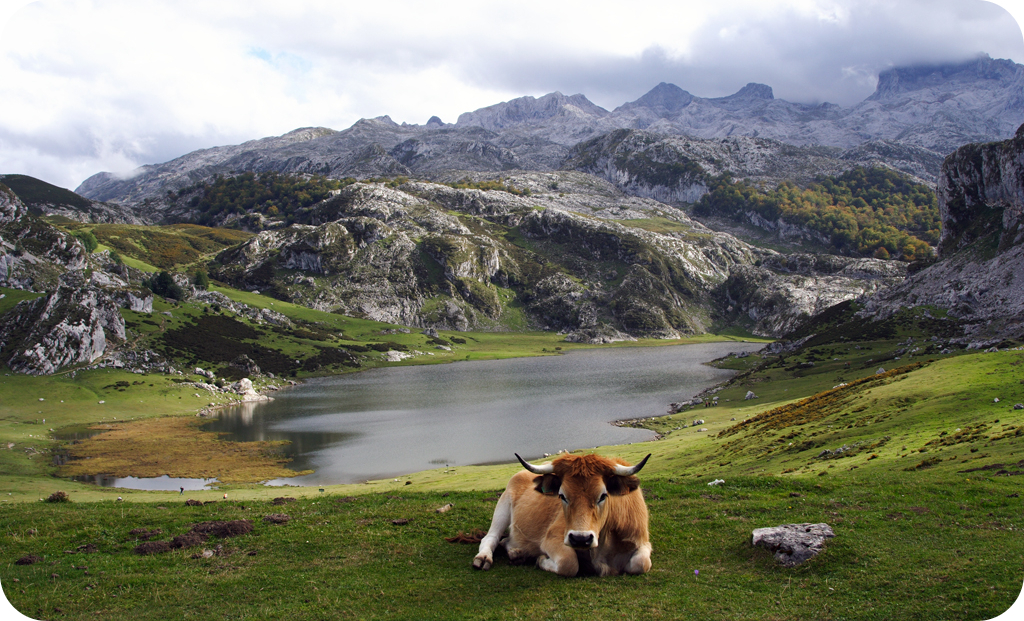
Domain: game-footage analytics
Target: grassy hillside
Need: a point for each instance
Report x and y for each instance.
(167, 247)
(34, 192)
(925, 525)
(194, 334)
(915, 468)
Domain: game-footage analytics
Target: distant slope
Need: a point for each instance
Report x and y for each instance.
(43, 198)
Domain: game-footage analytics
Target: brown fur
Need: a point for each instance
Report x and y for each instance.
(539, 522)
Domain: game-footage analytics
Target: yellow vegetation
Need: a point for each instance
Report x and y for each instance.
(177, 447)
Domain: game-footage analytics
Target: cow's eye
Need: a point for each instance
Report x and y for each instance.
(604, 497)
(562, 497)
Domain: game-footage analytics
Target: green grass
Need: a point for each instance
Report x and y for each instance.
(71, 400)
(165, 247)
(13, 296)
(906, 549)
(925, 514)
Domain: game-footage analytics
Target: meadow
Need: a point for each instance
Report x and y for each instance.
(915, 468)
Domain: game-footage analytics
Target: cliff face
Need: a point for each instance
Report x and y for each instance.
(979, 279)
(33, 254)
(70, 326)
(981, 193)
(78, 319)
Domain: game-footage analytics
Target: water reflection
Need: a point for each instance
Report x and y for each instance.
(161, 483)
(77, 433)
(385, 422)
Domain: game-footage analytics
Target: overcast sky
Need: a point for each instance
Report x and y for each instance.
(109, 85)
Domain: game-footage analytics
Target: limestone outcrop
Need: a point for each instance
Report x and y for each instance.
(73, 325)
(979, 278)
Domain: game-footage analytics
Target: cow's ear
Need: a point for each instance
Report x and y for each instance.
(548, 484)
(620, 486)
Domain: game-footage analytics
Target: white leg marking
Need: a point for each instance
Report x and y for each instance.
(547, 563)
(499, 524)
(640, 562)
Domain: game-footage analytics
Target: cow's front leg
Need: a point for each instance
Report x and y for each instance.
(563, 564)
(499, 522)
(640, 562)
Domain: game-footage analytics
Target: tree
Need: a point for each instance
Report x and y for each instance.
(88, 240)
(163, 285)
(200, 279)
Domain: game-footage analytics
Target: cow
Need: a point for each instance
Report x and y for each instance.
(577, 515)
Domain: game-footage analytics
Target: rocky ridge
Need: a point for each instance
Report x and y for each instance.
(78, 318)
(575, 255)
(916, 115)
(979, 279)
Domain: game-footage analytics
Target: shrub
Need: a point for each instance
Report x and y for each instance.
(58, 496)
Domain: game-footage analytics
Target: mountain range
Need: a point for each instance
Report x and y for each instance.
(547, 213)
(915, 117)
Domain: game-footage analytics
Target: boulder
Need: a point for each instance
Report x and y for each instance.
(246, 365)
(244, 388)
(793, 544)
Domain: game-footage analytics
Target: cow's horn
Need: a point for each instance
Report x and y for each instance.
(627, 471)
(546, 469)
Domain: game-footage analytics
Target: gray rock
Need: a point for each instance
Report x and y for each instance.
(71, 326)
(793, 544)
(246, 365)
(981, 201)
(750, 395)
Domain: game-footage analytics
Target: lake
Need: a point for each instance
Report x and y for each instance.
(386, 422)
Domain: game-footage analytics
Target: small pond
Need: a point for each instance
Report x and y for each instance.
(161, 483)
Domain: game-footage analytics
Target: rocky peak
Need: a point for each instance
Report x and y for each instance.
(751, 91)
(434, 122)
(303, 134)
(528, 109)
(664, 100)
(901, 80)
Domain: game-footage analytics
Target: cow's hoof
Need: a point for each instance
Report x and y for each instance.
(481, 563)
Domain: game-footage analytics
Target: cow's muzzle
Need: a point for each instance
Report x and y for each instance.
(581, 540)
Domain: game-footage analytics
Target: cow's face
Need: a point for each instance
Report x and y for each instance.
(586, 486)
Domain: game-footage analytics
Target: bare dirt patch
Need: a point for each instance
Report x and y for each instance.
(222, 529)
(153, 547)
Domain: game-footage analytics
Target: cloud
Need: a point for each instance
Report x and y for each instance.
(112, 84)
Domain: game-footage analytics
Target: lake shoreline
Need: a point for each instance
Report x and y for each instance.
(210, 412)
